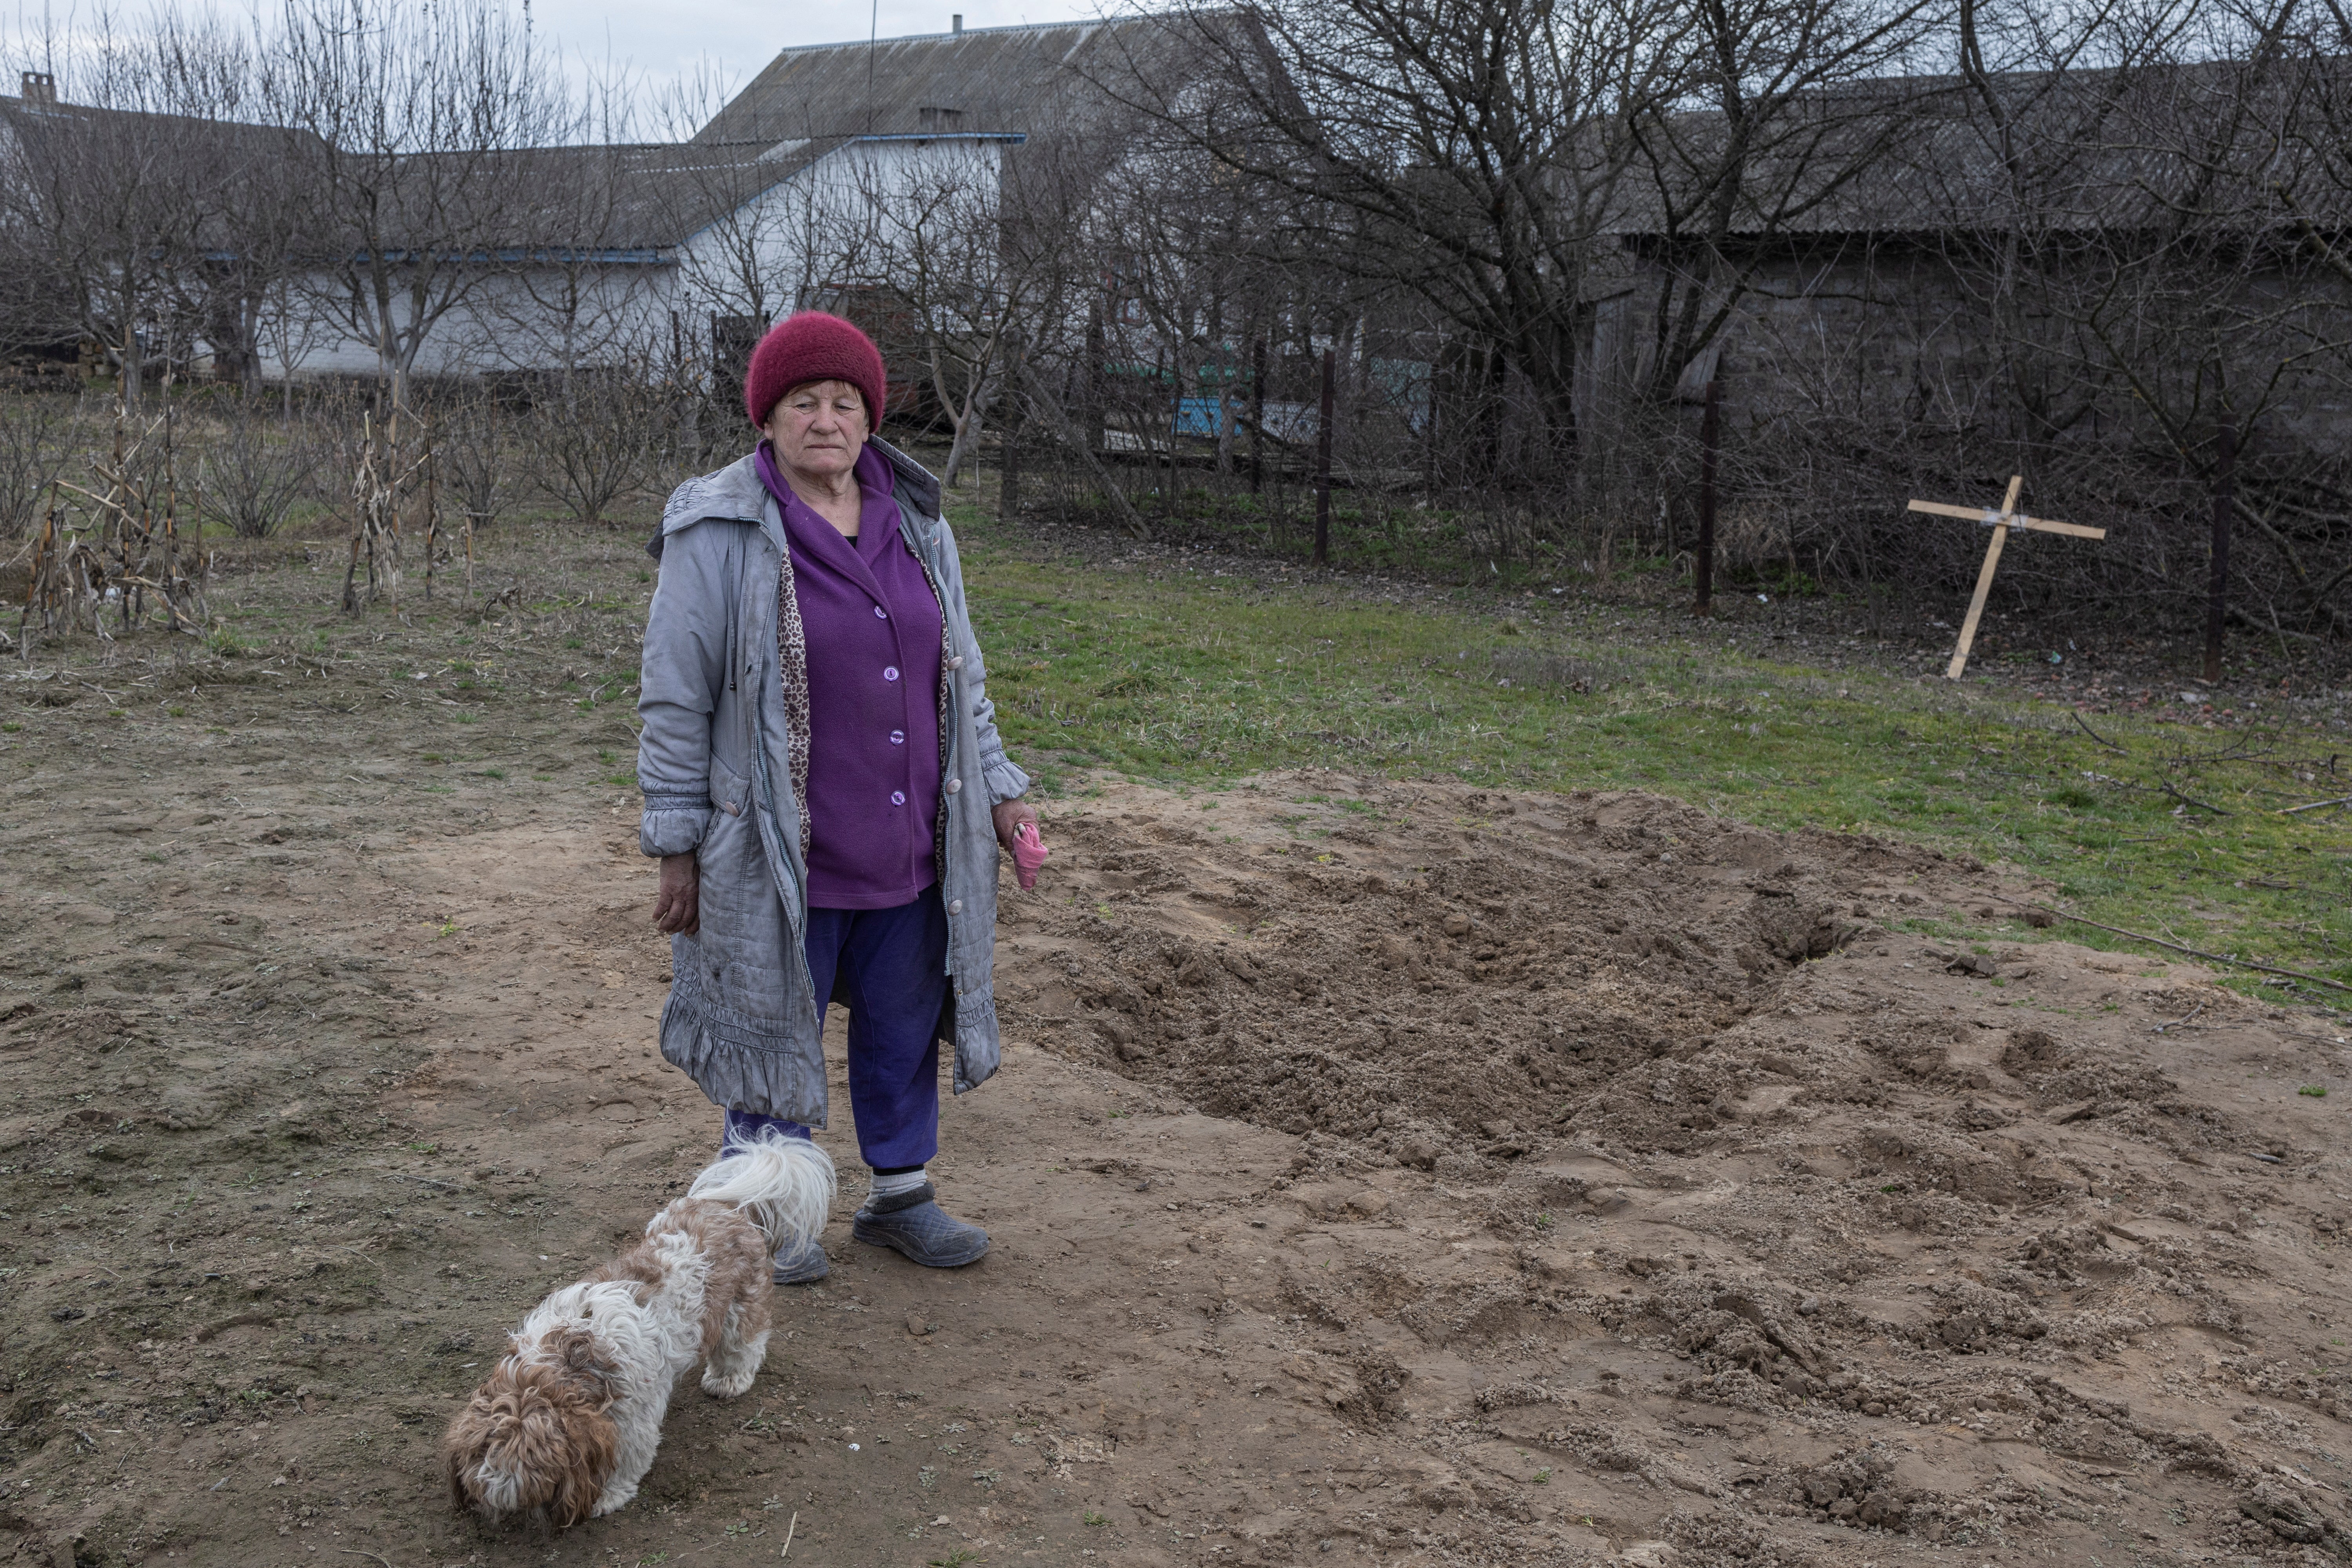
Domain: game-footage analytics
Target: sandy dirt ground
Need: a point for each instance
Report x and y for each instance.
(1378, 1171)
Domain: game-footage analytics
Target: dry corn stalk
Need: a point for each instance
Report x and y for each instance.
(129, 545)
(376, 489)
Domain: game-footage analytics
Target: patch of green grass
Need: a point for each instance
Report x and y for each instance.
(1092, 1518)
(2317, 1091)
(1183, 679)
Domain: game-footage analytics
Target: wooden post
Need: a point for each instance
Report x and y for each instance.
(1323, 468)
(359, 511)
(1429, 432)
(119, 520)
(1984, 580)
(2217, 607)
(1257, 414)
(1093, 373)
(1703, 568)
(1152, 448)
(1008, 500)
(432, 513)
(1175, 427)
(1008, 476)
(168, 578)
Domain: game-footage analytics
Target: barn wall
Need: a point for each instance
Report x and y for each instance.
(1897, 336)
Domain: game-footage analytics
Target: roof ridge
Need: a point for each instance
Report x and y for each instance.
(965, 33)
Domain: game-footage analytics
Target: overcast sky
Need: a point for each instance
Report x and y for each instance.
(669, 38)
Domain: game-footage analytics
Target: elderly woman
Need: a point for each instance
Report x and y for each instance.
(824, 785)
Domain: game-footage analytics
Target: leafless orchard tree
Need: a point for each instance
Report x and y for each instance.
(1920, 242)
(1776, 122)
(126, 173)
(405, 130)
(939, 261)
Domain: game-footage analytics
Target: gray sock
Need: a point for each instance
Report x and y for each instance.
(898, 1182)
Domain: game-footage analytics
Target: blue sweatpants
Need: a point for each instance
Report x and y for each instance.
(890, 967)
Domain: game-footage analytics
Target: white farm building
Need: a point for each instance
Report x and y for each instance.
(274, 266)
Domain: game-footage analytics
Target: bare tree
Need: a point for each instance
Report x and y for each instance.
(1777, 119)
(118, 180)
(406, 125)
(250, 475)
(1469, 153)
(36, 432)
(914, 248)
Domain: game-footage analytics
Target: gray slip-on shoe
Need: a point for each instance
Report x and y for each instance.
(802, 1262)
(913, 1225)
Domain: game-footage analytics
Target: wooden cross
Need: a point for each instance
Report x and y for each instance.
(2001, 523)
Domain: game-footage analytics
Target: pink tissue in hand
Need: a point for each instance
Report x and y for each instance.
(1029, 853)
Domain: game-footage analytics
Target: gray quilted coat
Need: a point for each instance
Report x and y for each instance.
(722, 760)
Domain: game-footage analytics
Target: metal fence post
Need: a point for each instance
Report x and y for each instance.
(1709, 440)
(2225, 486)
(1257, 415)
(1323, 469)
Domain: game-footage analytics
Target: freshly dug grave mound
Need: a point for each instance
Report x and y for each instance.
(1777, 1170)
(1664, 1191)
(1421, 982)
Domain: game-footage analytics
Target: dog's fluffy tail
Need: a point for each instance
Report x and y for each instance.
(784, 1184)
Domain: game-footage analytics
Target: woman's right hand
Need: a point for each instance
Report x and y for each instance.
(678, 906)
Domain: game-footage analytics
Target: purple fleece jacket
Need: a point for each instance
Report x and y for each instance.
(873, 631)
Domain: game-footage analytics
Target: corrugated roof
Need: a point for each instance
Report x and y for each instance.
(990, 79)
(2095, 149)
(643, 198)
(207, 137)
(631, 201)
(199, 173)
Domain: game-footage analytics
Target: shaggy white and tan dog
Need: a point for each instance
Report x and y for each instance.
(566, 1426)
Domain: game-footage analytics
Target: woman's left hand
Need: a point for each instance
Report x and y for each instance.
(1009, 815)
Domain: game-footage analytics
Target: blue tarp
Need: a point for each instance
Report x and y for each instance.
(1198, 416)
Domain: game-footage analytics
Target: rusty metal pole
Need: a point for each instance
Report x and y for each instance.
(2225, 484)
(1710, 435)
(1323, 470)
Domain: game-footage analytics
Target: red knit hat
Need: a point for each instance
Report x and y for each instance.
(813, 346)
